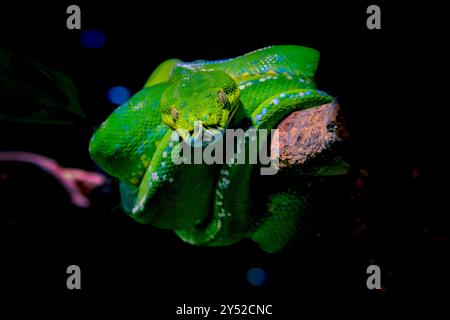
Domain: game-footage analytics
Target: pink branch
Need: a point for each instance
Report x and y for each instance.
(78, 183)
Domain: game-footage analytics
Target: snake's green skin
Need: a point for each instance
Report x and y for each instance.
(212, 205)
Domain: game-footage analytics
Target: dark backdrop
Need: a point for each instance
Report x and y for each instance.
(389, 210)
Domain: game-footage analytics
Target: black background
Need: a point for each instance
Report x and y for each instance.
(391, 209)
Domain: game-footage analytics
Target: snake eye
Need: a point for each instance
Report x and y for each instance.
(222, 97)
(174, 113)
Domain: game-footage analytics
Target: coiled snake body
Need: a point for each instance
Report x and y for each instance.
(205, 204)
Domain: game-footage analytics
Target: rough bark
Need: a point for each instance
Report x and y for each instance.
(307, 134)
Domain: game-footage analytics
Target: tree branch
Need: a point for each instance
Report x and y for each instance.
(306, 135)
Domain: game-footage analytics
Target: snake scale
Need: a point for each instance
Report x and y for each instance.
(211, 205)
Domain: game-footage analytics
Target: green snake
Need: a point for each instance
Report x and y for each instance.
(211, 205)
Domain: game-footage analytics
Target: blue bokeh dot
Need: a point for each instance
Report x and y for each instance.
(256, 276)
(118, 95)
(92, 39)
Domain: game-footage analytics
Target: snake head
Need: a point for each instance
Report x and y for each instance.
(200, 103)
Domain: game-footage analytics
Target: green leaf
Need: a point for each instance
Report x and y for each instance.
(333, 168)
(34, 93)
